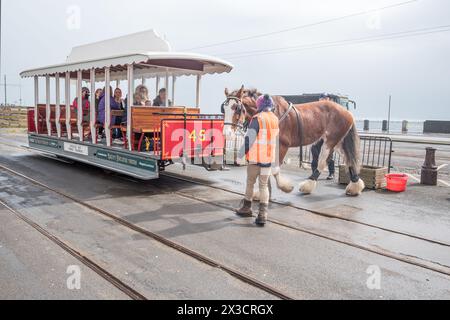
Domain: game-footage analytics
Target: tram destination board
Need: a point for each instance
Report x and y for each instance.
(127, 160)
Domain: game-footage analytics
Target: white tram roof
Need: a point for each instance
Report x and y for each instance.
(151, 55)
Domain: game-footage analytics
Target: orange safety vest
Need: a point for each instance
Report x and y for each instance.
(263, 151)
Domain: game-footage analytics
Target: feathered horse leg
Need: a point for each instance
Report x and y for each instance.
(350, 148)
(320, 153)
(283, 183)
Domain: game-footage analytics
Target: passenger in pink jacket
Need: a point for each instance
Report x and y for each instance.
(85, 93)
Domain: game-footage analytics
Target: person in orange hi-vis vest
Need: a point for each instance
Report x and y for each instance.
(260, 148)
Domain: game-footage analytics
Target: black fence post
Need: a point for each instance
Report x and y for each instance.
(429, 174)
(366, 125)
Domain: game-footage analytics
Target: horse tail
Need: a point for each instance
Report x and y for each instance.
(350, 147)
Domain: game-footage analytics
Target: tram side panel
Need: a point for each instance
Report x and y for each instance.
(30, 120)
(195, 141)
(192, 141)
(138, 165)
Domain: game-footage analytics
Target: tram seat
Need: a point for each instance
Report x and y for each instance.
(73, 116)
(74, 121)
(62, 120)
(42, 119)
(147, 120)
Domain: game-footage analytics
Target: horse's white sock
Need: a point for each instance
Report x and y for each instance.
(308, 186)
(355, 188)
(283, 184)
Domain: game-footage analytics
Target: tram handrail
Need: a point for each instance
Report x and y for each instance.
(438, 141)
(217, 116)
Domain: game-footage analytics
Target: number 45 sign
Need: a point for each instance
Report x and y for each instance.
(200, 137)
(192, 138)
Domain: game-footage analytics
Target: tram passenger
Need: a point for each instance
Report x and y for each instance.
(98, 94)
(141, 97)
(85, 94)
(101, 108)
(118, 98)
(160, 100)
(260, 147)
(117, 134)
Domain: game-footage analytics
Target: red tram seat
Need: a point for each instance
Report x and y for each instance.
(42, 123)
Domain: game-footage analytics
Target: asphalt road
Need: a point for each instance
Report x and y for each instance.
(305, 265)
(33, 267)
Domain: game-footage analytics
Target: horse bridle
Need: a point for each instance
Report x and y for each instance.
(239, 109)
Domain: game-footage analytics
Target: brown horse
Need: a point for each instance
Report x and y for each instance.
(302, 125)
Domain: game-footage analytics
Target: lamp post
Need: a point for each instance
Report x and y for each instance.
(6, 96)
(389, 115)
(1, 41)
(5, 86)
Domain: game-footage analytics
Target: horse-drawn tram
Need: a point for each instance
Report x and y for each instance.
(132, 136)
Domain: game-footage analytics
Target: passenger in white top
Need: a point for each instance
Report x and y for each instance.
(141, 97)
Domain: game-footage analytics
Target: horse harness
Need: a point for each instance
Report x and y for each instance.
(241, 108)
(299, 126)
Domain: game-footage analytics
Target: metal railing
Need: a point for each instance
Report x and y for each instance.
(375, 152)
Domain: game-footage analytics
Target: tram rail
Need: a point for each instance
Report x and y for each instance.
(163, 240)
(102, 272)
(316, 212)
(429, 265)
(416, 261)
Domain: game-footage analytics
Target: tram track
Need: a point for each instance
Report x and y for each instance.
(102, 272)
(281, 203)
(163, 240)
(412, 260)
(286, 204)
(315, 212)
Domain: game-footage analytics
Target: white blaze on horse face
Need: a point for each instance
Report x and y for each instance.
(228, 118)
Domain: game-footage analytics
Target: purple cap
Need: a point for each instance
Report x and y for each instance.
(264, 102)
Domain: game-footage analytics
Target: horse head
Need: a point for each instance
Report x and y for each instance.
(238, 109)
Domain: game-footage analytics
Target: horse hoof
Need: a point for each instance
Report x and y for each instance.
(308, 186)
(355, 189)
(285, 186)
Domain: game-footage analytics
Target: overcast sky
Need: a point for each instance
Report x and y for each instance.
(415, 70)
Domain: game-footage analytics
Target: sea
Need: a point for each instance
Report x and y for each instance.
(414, 127)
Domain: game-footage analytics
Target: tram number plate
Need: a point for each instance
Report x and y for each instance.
(76, 148)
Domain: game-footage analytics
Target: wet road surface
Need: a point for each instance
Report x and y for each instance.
(315, 257)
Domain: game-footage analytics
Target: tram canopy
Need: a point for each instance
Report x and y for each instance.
(150, 55)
